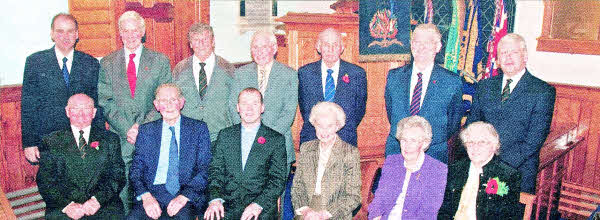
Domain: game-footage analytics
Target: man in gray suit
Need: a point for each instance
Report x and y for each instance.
(205, 80)
(126, 84)
(278, 84)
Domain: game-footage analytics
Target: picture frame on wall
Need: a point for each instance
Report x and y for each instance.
(384, 30)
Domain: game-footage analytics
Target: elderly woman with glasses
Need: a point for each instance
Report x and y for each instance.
(482, 187)
(412, 183)
(327, 180)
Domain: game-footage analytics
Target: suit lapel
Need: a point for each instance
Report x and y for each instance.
(405, 83)
(341, 87)
(143, 70)
(521, 87)
(92, 155)
(190, 82)
(495, 90)
(55, 70)
(316, 77)
(313, 156)
(254, 154)
(432, 89)
(235, 150)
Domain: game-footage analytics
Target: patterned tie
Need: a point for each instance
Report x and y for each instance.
(261, 80)
(329, 87)
(65, 71)
(172, 184)
(131, 77)
(506, 90)
(82, 144)
(202, 80)
(415, 103)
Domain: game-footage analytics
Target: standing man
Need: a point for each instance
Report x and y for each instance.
(519, 106)
(425, 89)
(127, 81)
(278, 84)
(170, 169)
(333, 80)
(81, 172)
(51, 76)
(205, 80)
(248, 170)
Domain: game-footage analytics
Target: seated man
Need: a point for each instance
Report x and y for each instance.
(81, 173)
(170, 164)
(248, 172)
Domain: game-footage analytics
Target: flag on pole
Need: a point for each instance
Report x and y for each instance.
(499, 30)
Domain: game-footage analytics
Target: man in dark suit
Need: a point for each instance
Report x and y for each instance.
(425, 89)
(81, 172)
(205, 80)
(126, 83)
(248, 170)
(50, 78)
(334, 80)
(170, 167)
(520, 107)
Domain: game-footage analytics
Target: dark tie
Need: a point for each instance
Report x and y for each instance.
(131, 77)
(261, 79)
(65, 71)
(172, 184)
(415, 103)
(202, 80)
(329, 87)
(81, 144)
(506, 90)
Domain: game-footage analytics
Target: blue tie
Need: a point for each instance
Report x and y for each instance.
(172, 184)
(329, 87)
(65, 71)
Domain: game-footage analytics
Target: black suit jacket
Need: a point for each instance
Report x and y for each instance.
(350, 95)
(263, 179)
(489, 206)
(45, 93)
(64, 176)
(523, 121)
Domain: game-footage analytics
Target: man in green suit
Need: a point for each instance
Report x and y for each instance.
(81, 173)
(277, 82)
(205, 80)
(248, 171)
(126, 84)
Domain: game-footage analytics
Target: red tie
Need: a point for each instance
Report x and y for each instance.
(131, 74)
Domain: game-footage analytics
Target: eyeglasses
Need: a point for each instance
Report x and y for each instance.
(168, 101)
(482, 142)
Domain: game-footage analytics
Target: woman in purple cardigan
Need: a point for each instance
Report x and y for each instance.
(412, 183)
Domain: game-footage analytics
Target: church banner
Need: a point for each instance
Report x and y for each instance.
(384, 30)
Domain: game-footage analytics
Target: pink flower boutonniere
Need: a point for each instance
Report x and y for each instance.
(95, 145)
(261, 140)
(434, 81)
(346, 78)
(496, 187)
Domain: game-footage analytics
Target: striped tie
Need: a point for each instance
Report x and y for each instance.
(506, 90)
(415, 103)
(202, 81)
(329, 87)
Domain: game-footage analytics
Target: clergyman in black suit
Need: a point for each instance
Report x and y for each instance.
(51, 76)
(519, 106)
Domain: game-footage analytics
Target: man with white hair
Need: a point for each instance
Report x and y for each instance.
(520, 106)
(126, 84)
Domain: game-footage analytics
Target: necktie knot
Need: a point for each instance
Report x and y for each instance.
(508, 81)
(329, 72)
(80, 132)
(172, 130)
(65, 60)
(202, 65)
(131, 56)
(420, 75)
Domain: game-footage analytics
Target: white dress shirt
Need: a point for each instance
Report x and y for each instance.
(60, 56)
(136, 59)
(208, 68)
(515, 80)
(336, 72)
(426, 74)
(86, 133)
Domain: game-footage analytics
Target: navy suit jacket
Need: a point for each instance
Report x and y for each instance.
(522, 121)
(194, 160)
(441, 106)
(45, 93)
(351, 96)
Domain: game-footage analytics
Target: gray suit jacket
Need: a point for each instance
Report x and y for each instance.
(340, 186)
(280, 99)
(213, 108)
(120, 110)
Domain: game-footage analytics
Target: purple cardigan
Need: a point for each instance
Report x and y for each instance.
(425, 191)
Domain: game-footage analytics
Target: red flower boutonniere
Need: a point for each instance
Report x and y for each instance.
(261, 140)
(146, 68)
(95, 145)
(346, 78)
(434, 81)
(496, 187)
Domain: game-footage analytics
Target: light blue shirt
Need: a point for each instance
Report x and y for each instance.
(248, 136)
(165, 144)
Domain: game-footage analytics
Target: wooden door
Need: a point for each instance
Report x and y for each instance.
(167, 23)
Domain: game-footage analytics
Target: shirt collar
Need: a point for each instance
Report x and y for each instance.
(86, 132)
(138, 52)
(426, 71)
(253, 129)
(59, 55)
(515, 78)
(176, 125)
(210, 60)
(335, 67)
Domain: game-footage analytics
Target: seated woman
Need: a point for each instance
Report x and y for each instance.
(412, 183)
(327, 180)
(482, 187)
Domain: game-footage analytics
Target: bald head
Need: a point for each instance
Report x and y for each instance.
(80, 110)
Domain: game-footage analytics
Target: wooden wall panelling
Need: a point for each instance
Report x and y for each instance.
(97, 26)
